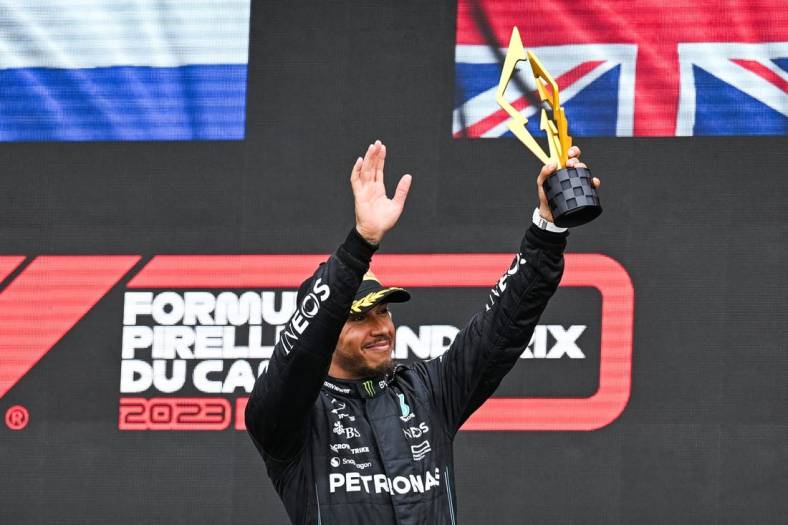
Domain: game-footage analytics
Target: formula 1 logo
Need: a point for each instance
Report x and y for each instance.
(43, 300)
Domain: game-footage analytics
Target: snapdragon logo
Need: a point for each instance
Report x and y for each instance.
(380, 483)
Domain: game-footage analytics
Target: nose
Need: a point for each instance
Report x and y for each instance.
(381, 325)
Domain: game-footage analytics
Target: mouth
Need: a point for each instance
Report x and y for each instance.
(380, 345)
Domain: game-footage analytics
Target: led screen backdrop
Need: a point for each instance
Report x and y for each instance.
(123, 70)
(143, 283)
(653, 68)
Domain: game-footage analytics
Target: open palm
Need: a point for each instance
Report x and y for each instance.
(375, 212)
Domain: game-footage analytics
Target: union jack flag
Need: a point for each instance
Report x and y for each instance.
(646, 68)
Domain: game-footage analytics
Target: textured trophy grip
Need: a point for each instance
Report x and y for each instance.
(572, 197)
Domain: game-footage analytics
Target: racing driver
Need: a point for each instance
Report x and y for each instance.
(347, 436)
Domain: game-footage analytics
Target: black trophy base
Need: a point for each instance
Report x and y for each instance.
(572, 197)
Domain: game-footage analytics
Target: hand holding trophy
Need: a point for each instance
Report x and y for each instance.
(570, 190)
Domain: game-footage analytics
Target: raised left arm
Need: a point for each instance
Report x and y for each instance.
(489, 346)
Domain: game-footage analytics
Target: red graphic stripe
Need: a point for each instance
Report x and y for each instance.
(615, 369)
(288, 271)
(45, 301)
(764, 72)
(421, 270)
(226, 271)
(8, 264)
(487, 123)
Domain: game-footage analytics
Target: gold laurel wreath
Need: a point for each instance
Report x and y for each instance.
(369, 299)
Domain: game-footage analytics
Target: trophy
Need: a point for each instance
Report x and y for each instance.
(570, 191)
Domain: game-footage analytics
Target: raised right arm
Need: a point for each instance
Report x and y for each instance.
(278, 408)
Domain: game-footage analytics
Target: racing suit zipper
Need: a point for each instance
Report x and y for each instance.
(380, 455)
(317, 499)
(448, 494)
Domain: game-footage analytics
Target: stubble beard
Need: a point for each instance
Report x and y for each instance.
(358, 366)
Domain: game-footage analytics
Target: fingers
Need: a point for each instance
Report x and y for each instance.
(597, 183)
(355, 173)
(401, 193)
(574, 158)
(372, 165)
(547, 170)
(368, 164)
(381, 161)
(368, 167)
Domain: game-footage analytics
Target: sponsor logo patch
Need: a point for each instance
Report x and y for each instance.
(380, 483)
(420, 450)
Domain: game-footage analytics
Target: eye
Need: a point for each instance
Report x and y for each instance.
(357, 318)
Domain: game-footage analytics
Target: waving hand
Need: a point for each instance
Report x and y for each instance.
(375, 212)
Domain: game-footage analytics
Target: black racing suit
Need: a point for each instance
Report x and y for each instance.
(380, 450)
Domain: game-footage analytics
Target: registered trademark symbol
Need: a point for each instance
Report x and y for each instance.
(17, 417)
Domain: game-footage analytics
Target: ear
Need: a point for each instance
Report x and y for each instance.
(341, 338)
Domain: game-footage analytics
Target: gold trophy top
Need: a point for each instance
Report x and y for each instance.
(558, 139)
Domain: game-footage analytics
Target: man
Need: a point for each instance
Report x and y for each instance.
(346, 436)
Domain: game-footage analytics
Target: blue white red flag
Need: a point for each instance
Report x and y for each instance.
(84, 70)
(646, 68)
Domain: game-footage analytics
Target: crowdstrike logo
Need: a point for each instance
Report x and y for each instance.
(336, 447)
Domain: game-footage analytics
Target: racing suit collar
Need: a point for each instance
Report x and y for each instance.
(363, 388)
